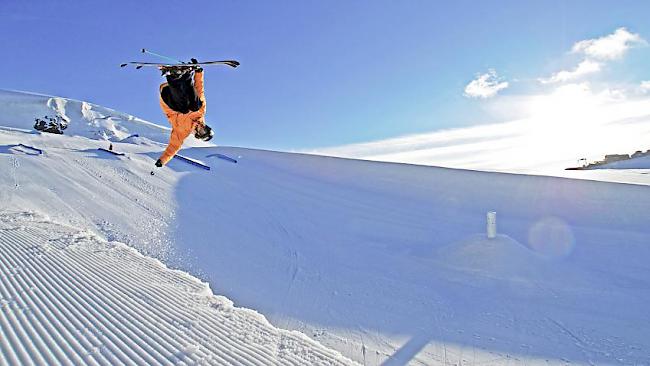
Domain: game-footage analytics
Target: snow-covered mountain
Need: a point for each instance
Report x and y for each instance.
(642, 162)
(385, 263)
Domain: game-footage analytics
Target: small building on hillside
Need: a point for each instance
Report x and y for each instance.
(615, 157)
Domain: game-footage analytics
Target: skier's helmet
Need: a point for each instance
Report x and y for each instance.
(204, 133)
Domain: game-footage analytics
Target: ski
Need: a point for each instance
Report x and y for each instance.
(138, 65)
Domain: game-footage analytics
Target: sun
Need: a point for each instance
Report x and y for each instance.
(567, 123)
(568, 108)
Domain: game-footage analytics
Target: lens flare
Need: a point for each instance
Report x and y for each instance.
(551, 237)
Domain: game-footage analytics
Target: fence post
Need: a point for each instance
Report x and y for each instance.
(491, 225)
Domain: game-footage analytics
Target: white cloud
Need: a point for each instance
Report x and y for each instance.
(645, 86)
(597, 51)
(549, 132)
(485, 86)
(584, 68)
(614, 94)
(609, 47)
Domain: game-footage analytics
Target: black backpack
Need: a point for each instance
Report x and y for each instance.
(180, 94)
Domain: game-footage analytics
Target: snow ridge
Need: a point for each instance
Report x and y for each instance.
(67, 297)
(85, 119)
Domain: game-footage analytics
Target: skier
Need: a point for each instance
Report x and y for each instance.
(182, 99)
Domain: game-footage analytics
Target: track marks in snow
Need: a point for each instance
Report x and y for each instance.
(14, 171)
(69, 298)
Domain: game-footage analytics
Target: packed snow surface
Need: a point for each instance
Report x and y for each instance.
(68, 297)
(386, 263)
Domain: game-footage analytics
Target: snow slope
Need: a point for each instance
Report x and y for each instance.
(68, 297)
(385, 263)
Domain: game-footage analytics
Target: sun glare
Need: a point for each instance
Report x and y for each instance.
(568, 122)
(569, 110)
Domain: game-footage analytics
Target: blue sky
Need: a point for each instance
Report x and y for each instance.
(318, 73)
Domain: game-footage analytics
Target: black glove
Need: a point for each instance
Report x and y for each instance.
(159, 163)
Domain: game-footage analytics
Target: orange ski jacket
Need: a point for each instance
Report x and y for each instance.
(182, 123)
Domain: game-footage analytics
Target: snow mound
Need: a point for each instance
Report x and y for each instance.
(502, 256)
(85, 119)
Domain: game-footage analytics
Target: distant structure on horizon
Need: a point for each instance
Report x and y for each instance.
(611, 159)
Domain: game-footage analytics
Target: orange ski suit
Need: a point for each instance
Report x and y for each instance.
(182, 123)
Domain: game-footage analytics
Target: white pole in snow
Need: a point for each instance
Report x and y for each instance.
(491, 225)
